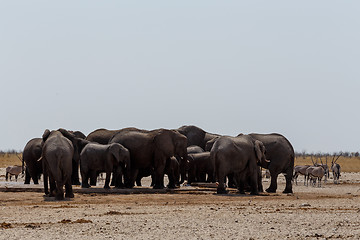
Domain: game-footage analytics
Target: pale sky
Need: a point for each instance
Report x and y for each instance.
(229, 67)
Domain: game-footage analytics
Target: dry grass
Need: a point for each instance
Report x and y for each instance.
(10, 160)
(348, 164)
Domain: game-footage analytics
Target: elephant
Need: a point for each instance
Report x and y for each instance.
(171, 169)
(280, 153)
(151, 149)
(57, 156)
(76, 158)
(95, 158)
(238, 155)
(31, 155)
(200, 165)
(196, 136)
(184, 165)
(101, 135)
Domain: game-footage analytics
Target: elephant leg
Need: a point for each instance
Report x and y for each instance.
(183, 167)
(254, 182)
(138, 180)
(273, 185)
(93, 177)
(75, 173)
(117, 178)
(159, 176)
(27, 176)
(171, 177)
(231, 182)
(52, 183)
(288, 178)
(85, 179)
(260, 186)
(131, 180)
(221, 176)
(107, 180)
(68, 190)
(46, 179)
(59, 191)
(221, 187)
(240, 183)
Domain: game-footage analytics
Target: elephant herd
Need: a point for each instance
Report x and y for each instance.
(185, 154)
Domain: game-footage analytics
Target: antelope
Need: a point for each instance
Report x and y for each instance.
(326, 168)
(335, 167)
(315, 172)
(300, 170)
(13, 170)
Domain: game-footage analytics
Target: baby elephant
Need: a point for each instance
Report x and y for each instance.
(199, 166)
(13, 170)
(96, 158)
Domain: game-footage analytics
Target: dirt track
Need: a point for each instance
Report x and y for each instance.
(329, 212)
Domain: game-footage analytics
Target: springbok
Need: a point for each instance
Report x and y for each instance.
(335, 167)
(313, 173)
(301, 169)
(13, 170)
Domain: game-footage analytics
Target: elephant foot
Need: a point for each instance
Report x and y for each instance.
(85, 185)
(221, 191)
(254, 193)
(69, 195)
(27, 182)
(270, 190)
(76, 182)
(241, 192)
(171, 186)
(288, 191)
(107, 187)
(158, 187)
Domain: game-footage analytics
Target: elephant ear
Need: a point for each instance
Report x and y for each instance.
(164, 142)
(259, 150)
(114, 150)
(45, 135)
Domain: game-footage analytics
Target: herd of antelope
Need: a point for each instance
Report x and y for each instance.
(318, 171)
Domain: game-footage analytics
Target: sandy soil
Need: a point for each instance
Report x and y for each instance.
(332, 211)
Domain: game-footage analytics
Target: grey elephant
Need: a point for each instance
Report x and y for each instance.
(200, 166)
(103, 135)
(96, 158)
(171, 170)
(280, 153)
(31, 155)
(57, 157)
(76, 158)
(196, 136)
(238, 155)
(151, 149)
(184, 165)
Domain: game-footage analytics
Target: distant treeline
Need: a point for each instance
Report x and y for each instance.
(323, 154)
(8, 152)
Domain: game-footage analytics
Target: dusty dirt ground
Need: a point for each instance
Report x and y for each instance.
(332, 211)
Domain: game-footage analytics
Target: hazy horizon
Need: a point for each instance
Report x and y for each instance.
(228, 67)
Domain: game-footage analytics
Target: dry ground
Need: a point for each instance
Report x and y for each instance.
(331, 211)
